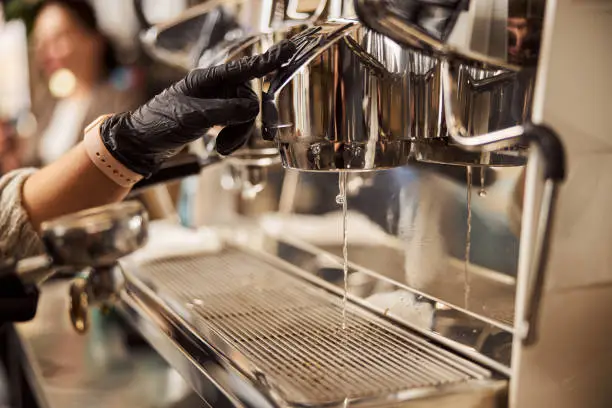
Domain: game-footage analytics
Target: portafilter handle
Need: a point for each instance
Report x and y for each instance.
(92, 241)
(92, 238)
(97, 237)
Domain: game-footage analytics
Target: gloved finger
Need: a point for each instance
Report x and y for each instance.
(244, 90)
(232, 138)
(224, 112)
(242, 70)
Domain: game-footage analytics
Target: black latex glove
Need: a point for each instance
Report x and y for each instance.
(219, 96)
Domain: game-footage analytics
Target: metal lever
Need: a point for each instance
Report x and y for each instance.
(553, 153)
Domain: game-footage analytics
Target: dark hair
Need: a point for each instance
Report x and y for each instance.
(526, 9)
(84, 14)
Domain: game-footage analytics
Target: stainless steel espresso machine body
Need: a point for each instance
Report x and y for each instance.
(205, 29)
(466, 279)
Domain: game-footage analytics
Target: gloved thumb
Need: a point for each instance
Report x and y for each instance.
(232, 138)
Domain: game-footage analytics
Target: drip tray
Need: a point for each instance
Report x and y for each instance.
(286, 332)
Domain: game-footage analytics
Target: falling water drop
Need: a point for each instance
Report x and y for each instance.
(482, 192)
(316, 151)
(341, 199)
(468, 239)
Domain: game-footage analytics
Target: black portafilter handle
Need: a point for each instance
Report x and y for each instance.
(177, 168)
(230, 140)
(18, 300)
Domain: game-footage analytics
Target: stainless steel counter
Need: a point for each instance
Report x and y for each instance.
(99, 369)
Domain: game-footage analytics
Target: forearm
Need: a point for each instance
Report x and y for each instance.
(130, 145)
(70, 184)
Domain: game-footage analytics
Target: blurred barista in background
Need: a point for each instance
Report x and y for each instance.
(9, 159)
(76, 79)
(75, 65)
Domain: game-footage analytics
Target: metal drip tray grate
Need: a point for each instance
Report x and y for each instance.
(291, 330)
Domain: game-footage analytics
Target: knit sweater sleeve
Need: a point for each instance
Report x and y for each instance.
(18, 239)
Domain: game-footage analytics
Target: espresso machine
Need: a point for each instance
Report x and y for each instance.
(467, 140)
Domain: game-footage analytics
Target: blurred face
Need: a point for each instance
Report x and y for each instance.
(61, 43)
(519, 30)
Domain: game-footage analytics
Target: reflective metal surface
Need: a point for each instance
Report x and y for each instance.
(445, 152)
(35, 269)
(487, 55)
(486, 108)
(421, 23)
(92, 240)
(409, 225)
(337, 106)
(96, 237)
(96, 287)
(108, 367)
(353, 99)
(443, 83)
(212, 25)
(282, 333)
(484, 337)
(506, 32)
(249, 163)
(180, 41)
(570, 364)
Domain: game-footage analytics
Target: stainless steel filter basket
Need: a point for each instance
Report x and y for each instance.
(488, 68)
(336, 106)
(479, 98)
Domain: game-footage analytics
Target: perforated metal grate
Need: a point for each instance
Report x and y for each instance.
(291, 330)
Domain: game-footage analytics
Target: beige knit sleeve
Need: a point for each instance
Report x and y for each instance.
(18, 239)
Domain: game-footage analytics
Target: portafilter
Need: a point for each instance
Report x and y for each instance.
(88, 244)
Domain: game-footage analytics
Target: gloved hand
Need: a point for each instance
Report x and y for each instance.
(219, 96)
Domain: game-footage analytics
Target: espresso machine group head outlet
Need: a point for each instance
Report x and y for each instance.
(336, 106)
